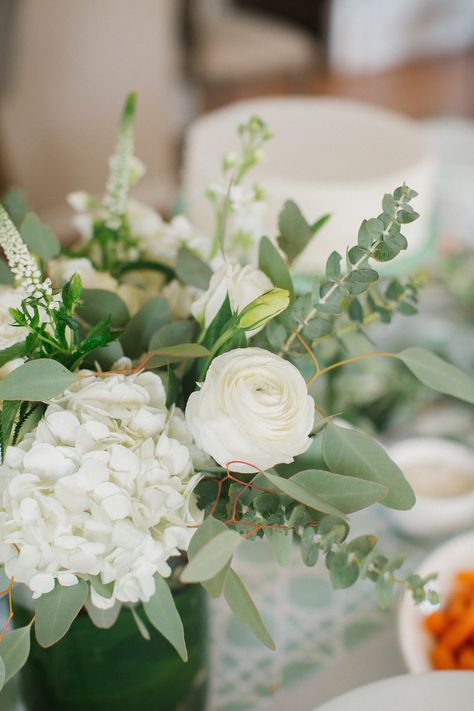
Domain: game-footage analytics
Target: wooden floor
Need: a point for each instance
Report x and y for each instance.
(444, 85)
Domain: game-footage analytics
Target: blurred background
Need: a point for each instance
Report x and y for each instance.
(65, 69)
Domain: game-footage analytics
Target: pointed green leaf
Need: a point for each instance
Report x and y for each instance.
(208, 530)
(163, 615)
(39, 238)
(103, 619)
(17, 350)
(141, 626)
(304, 492)
(36, 380)
(243, 606)
(295, 232)
(352, 453)
(172, 334)
(56, 611)
(346, 493)
(271, 263)
(99, 304)
(190, 269)
(7, 420)
(212, 557)
(14, 650)
(436, 373)
(173, 354)
(3, 674)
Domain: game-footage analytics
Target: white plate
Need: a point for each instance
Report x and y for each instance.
(457, 554)
(436, 691)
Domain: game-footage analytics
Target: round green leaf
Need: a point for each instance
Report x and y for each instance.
(37, 380)
(56, 611)
(14, 650)
(39, 238)
(99, 304)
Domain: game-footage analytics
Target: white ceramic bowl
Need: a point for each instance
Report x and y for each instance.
(329, 155)
(432, 517)
(415, 642)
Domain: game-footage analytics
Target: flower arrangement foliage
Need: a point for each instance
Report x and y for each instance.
(160, 398)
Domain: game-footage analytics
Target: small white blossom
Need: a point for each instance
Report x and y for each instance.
(103, 486)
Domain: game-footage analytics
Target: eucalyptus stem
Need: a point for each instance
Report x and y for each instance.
(353, 359)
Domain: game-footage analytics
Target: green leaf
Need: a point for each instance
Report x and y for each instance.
(304, 492)
(6, 277)
(104, 589)
(295, 232)
(316, 226)
(346, 493)
(242, 605)
(17, 350)
(342, 572)
(384, 592)
(333, 266)
(352, 453)
(36, 380)
(56, 611)
(103, 619)
(141, 626)
(436, 373)
(14, 650)
(209, 529)
(7, 420)
(15, 203)
(39, 238)
(163, 615)
(272, 264)
(173, 354)
(139, 330)
(281, 543)
(212, 557)
(106, 356)
(3, 673)
(100, 304)
(309, 547)
(190, 269)
(172, 334)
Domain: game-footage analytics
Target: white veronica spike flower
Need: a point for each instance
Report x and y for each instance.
(102, 487)
(122, 168)
(21, 261)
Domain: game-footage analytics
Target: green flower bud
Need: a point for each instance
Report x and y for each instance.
(263, 309)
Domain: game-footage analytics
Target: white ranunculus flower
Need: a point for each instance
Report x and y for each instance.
(103, 486)
(180, 298)
(242, 284)
(253, 406)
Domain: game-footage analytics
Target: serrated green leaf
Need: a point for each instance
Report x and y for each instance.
(100, 304)
(37, 380)
(304, 492)
(352, 453)
(436, 373)
(8, 415)
(39, 238)
(242, 605)
(163, 615)
(190, 269)
(56, 611)
(209, 529)
(212, 557)
(272, 264)
(17, 350)
(141, 327)
(14, 650)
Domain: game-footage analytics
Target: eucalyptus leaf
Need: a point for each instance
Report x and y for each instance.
(436, 373)
(295, 232)
(244, 608)
(14, 650)
(272, 264)
(281, 543)
(163, 615)
(346, 493)
(352, 453)
(190, 269)
(303, 491)
(141, 327)
(15, 202)
(39, 238)
(36, 380)
(141, 626)
(56, 611)
(99, 304)
(103, 619)
(3, 673)
(173, 354)
(208, 530)
(172, 334)
(212, 557)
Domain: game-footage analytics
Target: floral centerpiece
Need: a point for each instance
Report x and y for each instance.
(160, 405)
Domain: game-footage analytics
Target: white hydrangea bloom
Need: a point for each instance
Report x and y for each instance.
(103, 486)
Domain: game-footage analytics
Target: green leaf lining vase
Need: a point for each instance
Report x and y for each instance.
(93, 669)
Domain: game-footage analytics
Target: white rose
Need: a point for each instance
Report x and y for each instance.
(254, 407)
(243, 284)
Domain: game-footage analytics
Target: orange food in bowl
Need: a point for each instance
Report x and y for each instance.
(453, 627)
